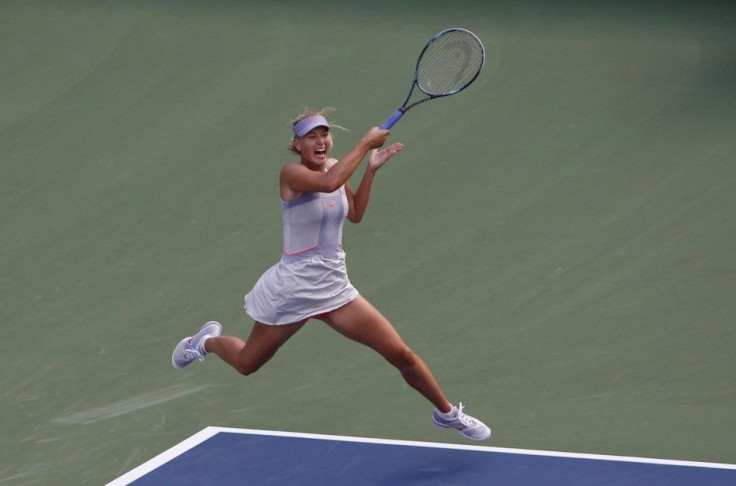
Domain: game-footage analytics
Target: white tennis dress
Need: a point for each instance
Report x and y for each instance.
(311, 277)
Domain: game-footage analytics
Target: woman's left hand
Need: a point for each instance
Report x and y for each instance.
(379, 157)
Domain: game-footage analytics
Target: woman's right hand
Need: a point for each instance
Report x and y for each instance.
(376, 137)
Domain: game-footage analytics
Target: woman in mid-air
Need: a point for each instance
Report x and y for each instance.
(311, 282)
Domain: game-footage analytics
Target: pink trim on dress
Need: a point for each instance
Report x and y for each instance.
(300, 251)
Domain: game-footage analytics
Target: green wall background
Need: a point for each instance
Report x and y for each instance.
(557, 242)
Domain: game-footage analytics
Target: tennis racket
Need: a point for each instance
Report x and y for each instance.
(449, 62)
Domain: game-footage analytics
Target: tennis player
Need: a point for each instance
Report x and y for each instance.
(311, 282)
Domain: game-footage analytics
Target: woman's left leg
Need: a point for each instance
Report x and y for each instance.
(361, 322)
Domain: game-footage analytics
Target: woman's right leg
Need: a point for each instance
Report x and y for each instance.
(248, 356)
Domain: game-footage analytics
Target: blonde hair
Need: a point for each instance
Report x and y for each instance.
(307, 112)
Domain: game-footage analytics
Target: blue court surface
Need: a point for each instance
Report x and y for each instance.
(226, 456)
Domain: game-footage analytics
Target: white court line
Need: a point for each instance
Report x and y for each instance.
(165, 456)
(209, 432)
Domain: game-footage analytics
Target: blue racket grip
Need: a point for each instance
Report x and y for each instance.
(390, 121)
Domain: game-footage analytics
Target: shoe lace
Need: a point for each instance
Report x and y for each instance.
(192, 353)
(464, 419)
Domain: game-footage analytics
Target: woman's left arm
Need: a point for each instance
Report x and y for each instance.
(358, 201)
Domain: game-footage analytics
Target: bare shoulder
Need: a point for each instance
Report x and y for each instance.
(291, 167)
(292, 171)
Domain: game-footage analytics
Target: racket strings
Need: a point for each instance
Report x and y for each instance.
(450, 63)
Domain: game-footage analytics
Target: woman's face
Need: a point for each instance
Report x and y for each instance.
(315, 146)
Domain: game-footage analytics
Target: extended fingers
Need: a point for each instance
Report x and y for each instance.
(393, 148)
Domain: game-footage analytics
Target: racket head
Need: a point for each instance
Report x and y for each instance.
(449, 62)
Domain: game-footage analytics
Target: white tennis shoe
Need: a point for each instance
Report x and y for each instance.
(470, 427)
(191, 348)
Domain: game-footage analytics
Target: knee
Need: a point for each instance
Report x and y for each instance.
(403, 358)
(246, 369)
(247, 364)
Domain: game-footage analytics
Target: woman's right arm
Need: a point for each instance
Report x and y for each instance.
(297, 179)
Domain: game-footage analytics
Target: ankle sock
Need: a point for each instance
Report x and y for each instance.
(449, 415)
(201, 344)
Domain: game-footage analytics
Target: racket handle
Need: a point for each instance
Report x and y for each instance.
(390, 121)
